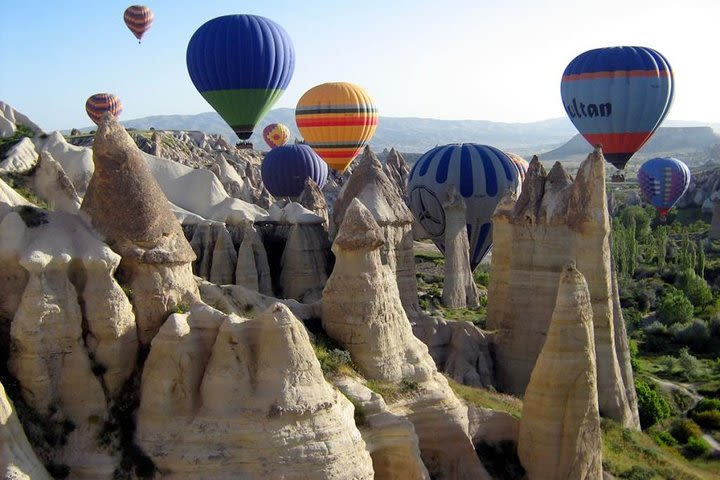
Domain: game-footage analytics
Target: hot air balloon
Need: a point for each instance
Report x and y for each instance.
(138, 19)
(520, 163)
(241, 64)
(285, 169)
(276, 135)
(662, 182)
(98, 104)
(337, 120)
(480, 174)
(617, 97)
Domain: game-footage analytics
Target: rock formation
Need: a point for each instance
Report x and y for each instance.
(362, 311)
(129, 209)
(560, 436)
(369, 183)
(397, 170)
(226, 397)
(17, 458)
(312, 199)
(459, 289)
(52, 184)
(715, 222)
(253, 270)
(555, 220)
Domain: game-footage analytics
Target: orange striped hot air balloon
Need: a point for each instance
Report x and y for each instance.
(98, 104)
(138, 19)
(336, 120)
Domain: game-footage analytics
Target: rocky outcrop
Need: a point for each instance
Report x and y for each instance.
(313, 199)
(129, 209)
(372, 187)
(11, 118)
(70, 360)
(554, 221)
(560, 437)
(397, 170)
(714, 233)
(52, 184)
(17, 458)
(225, 397)
(372, 325)
(459, 289)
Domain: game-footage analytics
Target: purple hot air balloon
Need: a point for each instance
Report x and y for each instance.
(285, 169)
(662, 182)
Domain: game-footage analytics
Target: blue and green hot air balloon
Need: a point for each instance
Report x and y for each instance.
(479, 173)
(663, 181)
(241, 64)
(617, 97)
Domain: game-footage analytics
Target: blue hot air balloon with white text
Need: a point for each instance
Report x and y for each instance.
(663, 181)
(285, 169)
(618, 97)
(480, 174)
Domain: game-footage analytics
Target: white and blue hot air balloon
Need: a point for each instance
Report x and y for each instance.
(663, 181)
(481, 174)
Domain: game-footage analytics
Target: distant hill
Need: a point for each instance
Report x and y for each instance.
(406, 134)
(690, 144)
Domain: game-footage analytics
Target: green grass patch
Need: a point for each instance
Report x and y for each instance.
(487, 398)
(334, 360)
(628, 453)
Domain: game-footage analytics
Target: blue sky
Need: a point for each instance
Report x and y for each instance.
(449, 59)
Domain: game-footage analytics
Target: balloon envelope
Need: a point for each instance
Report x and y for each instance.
(98, 104)
(480, 174)
(138, 19)
(285, 169)
(336, 119)
(520, 163)
(617, 97)
(241, 64)
(662, 182)
(276, 135)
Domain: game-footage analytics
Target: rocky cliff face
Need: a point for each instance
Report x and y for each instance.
(554, 221)
(377, 332)
(560, 436)
(225, 397)
(369, 183)
(129, 209)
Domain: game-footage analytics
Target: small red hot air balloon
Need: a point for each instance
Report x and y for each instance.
(276, 135)
(138, 19)
(98, 104)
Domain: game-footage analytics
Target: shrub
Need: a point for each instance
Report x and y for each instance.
(675, 308)
(656, 338)
(684, 429)
(633, 319)
(696, 447)
(481, 276)
(714, 326)
(706, 404)
(695, 288)
(633, 348)
(638, 473)
(691, 368)
(662, 437)
(709, 419)
(694, 334)
(651, 405)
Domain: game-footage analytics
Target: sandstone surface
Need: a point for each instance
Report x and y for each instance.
(560, 435)
(459, 289)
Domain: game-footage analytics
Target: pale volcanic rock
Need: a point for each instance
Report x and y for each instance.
(459, 289)
(9, 198)
(459, 349)
(560, 435)
(224, 260)
(21, 157)
(361, 309)
(397, 170)
(554, 221)
(10, 118)
(253, 270)
(245, 399)
(304, 263)
(204, 237)
(53, 185)
(378, 193)
(492, 426)
(17, 458)
(77, 162)
(390, 438)
(129, 209)
(312, 198)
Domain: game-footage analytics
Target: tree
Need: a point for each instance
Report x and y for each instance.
(652, 407)
(675, 308)
(695, 288)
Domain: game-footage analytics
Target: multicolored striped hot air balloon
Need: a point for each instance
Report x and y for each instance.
(480, 174)
(336, 119)
(285, 169)
(617, 97)
(520, 163)
(663, 181)
(98, 104)
(138, 19)
(276, 135)
(241, 64)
